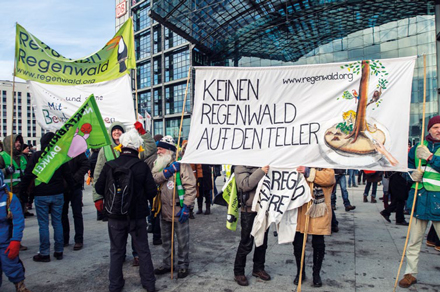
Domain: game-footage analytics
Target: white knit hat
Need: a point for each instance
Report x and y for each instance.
(131, 139)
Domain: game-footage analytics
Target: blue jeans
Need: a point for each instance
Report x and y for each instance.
(340, 179)
(54, 204)
(352, 177)
(367, 189)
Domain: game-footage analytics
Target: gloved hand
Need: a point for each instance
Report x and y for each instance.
(9, 170)
(170, 170)
(140, 128)
(417, 175)
(99, 205)
(422, 152)
(13, 249)
(183, 214)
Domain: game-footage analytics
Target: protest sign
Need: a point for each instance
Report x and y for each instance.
(36, 61)
(341, 115)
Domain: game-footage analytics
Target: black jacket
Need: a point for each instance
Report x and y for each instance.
(144, 185)
(56, 184)
(79, 167)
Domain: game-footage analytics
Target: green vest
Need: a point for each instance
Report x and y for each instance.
(110, 153)
(431, 177)
(18, 169)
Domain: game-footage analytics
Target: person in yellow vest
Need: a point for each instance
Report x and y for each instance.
(17, 168)
(428, 196)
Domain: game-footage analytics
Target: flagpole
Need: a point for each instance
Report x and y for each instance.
(177, 156)
(135, 74)
(306, 229)
(418, 168)
(13, 115)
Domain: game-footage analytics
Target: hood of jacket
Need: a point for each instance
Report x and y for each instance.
(7, 144)
(114, 124)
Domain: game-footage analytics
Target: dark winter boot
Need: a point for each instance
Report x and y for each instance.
(318, 257)
(297, 255)
(200, 207)
(208, 209)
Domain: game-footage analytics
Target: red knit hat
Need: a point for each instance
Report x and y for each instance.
(433, 121)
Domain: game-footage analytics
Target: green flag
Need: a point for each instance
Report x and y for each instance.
(38, 62)
(230, 196)
(84, 130)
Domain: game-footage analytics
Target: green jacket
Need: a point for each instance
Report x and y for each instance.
(149, 149)
(15, 156)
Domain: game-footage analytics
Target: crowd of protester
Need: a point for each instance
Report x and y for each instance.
(145, 171)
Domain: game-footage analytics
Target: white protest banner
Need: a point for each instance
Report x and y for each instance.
(278, 196)
(341, 115)
(55, 104)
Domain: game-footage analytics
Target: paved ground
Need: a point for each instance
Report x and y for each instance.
(363, 256)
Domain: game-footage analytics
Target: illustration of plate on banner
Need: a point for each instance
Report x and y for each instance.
(336, 148)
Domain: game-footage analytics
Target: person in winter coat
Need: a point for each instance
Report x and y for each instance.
(10, 263)
(49, 198)
(134, 222)
(204, 187)
(73, 195)
(428, 196)
(19, 163)
(323, 181)
(398, 189)
(108, 153)
(373, 177)
(166, 172)
(247, 178)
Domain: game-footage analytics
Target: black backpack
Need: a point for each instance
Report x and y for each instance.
(119, 188)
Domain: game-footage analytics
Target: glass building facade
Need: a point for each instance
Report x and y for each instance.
(408, 37)
(164, 57)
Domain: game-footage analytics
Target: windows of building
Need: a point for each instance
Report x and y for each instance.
(172, 39)
(158, 127)
(157, 96)
(145, 102)
(144, 75)
(143, 45)
(157, 70)
(172, 127)
(174, 96)
(157, 37)
(176, 65)
(141, 18)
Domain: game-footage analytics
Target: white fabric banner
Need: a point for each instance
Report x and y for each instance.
(278, 196)
(341, 115)
(55, 104)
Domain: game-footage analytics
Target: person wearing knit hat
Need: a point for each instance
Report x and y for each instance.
(428, 196)
(133, 222)
(175, 180)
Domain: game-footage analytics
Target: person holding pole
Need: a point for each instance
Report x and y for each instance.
(428, 196)
(170, 174)
(247, 179)
(319, 222)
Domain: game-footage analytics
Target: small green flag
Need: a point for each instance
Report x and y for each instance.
(84, 130)
(230, 196)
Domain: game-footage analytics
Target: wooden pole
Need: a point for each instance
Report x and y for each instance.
(306, 230)
(12, 120)
(417, 183)
(135, 76)
(177, 156)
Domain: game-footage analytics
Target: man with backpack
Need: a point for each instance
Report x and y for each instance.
(108, 153)
(125, 186)
(11, 219)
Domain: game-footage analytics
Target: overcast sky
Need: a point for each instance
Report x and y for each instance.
(74, 28)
